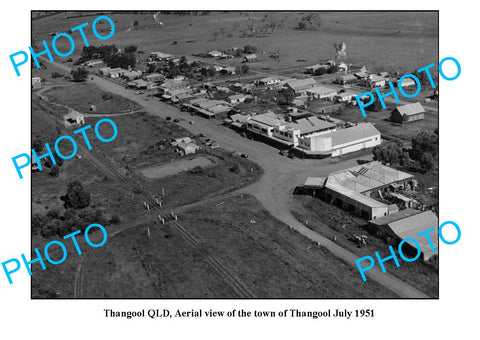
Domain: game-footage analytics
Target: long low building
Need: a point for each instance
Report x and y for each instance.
(305, 127)
(352, 188)
(407, 224)
(339, 142)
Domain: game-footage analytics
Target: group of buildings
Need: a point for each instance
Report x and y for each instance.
(375, 192)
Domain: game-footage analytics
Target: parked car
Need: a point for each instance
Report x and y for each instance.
(214, 146)
(168, 118)
(176, 120)
(243, 155)
(139, 92)
(191, 122)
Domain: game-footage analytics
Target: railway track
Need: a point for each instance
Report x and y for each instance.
(230, 277)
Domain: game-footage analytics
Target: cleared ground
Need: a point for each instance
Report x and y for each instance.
(266, 256)
(82, 96)
(161, 171)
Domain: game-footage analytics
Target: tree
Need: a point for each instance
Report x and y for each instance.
(76, 196)
(244, 68)
(249, 49)
(55, 171)
(38, 145)
(376, 106)
(427, 161)
(131, 49)
(289, 95)
(79, 75)
(135, 24)
(424, 142)
(388, 153)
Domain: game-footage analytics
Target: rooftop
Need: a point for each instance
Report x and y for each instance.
(300, 83)
(269, 119)
(410, 109)
(309, 125)
(360, 131)
(366, 177)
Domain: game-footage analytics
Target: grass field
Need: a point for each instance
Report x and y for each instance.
(270, 259)
(336, 224)
(81, 96)
(388, 41)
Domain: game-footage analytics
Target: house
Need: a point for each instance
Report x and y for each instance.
(139, 84)
(314, 68)
(245, 88)
(36, 82)
(346, 79)
(374, 80)
(73, 118)
(94, 63)
(406, 82)
(187, 148)
(407, 113)
(238, 98)
(346, 96)
(300, 86)
(154, 77)
(339, 142)
(131, 75)
(342, 67)
(214, 53)
(160, 56)
(249, 58)
(238, 121)
(351, 188)
(269, 82)
(176, 141)
(112, 72)
(172, 86)
(104, 71)
(407, 224)
(361, 75)
(263, 124)
(321, 92)
(305, 127)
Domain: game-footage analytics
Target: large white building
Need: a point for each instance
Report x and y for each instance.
(340, 142)
(302, 128)
(264, 124)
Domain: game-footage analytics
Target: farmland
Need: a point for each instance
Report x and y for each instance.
(373, 39)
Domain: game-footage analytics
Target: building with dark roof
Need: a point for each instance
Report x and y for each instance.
(407, 224)
(407, 113)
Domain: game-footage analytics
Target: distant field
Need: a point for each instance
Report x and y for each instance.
(270, 259)
(81, 96)
(381, 40)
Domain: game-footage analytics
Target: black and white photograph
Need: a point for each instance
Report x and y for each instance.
(239, 170)
(235, 154)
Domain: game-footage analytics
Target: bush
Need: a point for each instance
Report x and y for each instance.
(56, 75)
(115, 219)
(79, 75)
(76, 196)
(249, 49)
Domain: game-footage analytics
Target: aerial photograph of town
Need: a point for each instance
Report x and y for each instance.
(227, 156)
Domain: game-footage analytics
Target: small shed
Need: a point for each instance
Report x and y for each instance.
(408, 113)
(187, 148)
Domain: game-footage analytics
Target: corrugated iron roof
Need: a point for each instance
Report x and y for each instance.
(351, 134)
(410, 109)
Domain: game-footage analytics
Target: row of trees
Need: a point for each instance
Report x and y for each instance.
(110, 55)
